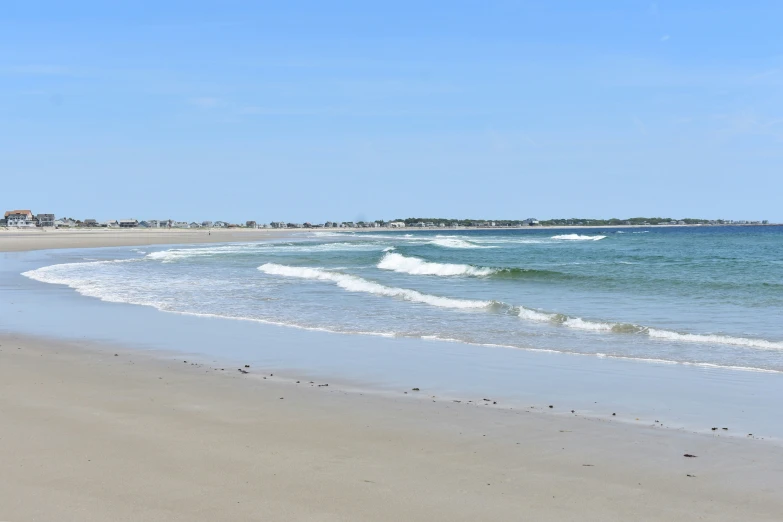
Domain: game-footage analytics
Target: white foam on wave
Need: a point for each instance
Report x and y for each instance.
(354, 283)
(713, 338)
(577, 237)
(80, 277)
(581, 324)
(415, 266)
(561, 320)
(453, 242)
(175, 254)
(578, 323)
(536, 315)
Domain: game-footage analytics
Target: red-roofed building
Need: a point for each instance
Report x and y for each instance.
(19, 218)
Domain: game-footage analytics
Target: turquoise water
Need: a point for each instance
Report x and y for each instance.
(708, 296)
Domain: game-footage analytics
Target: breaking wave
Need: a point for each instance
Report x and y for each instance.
(176, 254)
(578, 237)
(452, 242)
(353, 283)
(713, 338)
(600, 326)
(415, 266)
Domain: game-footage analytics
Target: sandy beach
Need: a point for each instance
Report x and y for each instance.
(141, 435)
(19, 240)
(90, 435)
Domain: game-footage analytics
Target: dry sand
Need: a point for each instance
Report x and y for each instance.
(17, 240)
(89, 436)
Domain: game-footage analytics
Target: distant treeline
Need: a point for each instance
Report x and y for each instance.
(414, 221)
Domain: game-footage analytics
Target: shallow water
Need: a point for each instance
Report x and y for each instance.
(679, 395)
(696, 295)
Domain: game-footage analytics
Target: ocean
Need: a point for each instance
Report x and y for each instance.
(709, 297)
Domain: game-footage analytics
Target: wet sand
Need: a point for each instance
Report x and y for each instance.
(87, 435)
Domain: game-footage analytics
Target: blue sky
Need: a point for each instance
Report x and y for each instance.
(343, 110)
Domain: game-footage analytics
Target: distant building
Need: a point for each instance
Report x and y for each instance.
(530, 222)
(19, 218)
(195, 225)
(206, 224)
(45, 220)
(180, 224)
(159, 223)
(397, 224)
(251, 224)
(64, 223)
(90, 223)
(128, 223)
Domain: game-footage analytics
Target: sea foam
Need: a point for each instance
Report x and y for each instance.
(354, 283)
(714, 339)
(578, 323)
(176, 254)
(452, 242)
(415, 266)
(577, 237)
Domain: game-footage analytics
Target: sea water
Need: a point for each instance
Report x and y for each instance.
(694, 296)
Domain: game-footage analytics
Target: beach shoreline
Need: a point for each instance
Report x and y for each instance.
(93, 435)
(167, 431)
(24, 239)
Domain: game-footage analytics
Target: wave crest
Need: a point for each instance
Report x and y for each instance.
(578, 323)
(354, 283)
(578, 237)
(415, 266)
(714, 338)
(453, 242)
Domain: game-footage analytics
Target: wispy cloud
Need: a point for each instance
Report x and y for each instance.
(665, 38)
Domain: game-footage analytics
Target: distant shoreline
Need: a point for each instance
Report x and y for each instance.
(25, 239)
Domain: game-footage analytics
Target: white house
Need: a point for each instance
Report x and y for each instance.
(162, 223)
(397, 224)
(19, 218)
